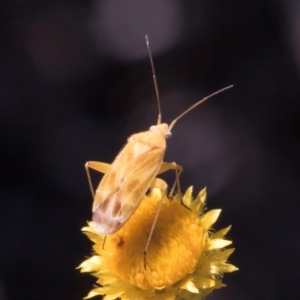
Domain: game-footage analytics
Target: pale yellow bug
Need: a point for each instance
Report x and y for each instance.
(133, 172)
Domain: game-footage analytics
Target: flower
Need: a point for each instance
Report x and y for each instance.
(186, 259)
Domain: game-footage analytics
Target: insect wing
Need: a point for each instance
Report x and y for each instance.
(139, 177)
(125, 183)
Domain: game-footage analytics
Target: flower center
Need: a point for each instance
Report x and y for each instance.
(174, 249)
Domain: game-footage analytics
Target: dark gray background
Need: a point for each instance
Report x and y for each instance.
(75, 82)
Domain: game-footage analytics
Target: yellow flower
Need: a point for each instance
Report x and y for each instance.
(185, 259)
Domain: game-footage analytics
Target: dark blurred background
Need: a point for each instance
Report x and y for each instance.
(75, 82)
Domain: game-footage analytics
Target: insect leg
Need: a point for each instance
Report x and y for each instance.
(97, 166)
(103, 243)
(161, 184)
(178, 170)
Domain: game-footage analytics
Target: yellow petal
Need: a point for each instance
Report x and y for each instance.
(219, 284)
(91, 294)
(220, 233)
(202, 195)
(89, 228)
(92, 235)
(198, 204)
(203, 271)
(210, 218)
(217, 268)
(156, 193)
(204, 283)
(187, 198)
(216, 244)
(190, 286)
(109, 292)
(91, 265)
(223, 255)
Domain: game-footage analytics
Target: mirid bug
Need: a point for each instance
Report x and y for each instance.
(133, 172)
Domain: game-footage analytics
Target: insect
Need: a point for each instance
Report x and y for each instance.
(133, 172)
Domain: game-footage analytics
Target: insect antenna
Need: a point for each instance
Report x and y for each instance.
(198, 103)
(155, 81)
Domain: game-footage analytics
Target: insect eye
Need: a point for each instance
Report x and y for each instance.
(152, 127)
(168, 134)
